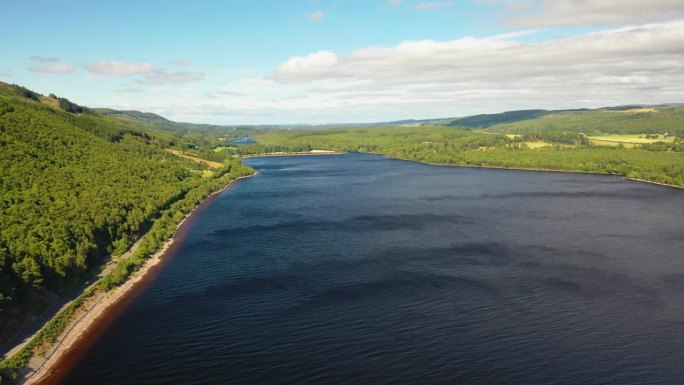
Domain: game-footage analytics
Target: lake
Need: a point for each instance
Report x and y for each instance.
(357, 269)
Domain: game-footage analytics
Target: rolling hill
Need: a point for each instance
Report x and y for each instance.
(609, 120)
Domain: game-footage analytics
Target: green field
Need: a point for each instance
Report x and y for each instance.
(629, 141)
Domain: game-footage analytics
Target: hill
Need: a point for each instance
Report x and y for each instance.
(486, 120)
(75, 186)
(609, 120)
(161, 124)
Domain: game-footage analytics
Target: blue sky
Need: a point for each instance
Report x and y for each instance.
(321, 61)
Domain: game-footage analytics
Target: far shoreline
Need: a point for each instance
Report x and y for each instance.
(323, 152)
(276, 154)
(626, 178)
(86, 330)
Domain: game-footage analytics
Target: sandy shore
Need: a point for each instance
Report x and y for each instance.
(312, 152)
(99, 311)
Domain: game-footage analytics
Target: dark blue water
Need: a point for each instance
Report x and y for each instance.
(357, 269)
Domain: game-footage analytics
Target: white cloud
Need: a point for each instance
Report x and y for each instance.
(428, 5)
(55, 68)
(321, 62)
(428, 78)
(569, 13)
(120, 68)
(395, 2)
(316, 16)
(498, 58)
(161, 77)
(431, 79)
(50, 65)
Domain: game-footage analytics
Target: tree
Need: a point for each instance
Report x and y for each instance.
(29, 271)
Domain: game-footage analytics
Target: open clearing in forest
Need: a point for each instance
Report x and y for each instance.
(636, 110)
(627, 140)
(209, 163)
(537, 144)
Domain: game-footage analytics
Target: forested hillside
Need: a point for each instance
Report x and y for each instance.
(74, 188)
(615, 120)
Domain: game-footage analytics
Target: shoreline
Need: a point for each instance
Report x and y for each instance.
(273, 154)
(85, 330)
(652, 182)
(468, 166)
(534, 170)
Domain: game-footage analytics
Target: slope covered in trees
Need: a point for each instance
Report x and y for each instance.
(74, 188)
(486, 120)
(627, 120)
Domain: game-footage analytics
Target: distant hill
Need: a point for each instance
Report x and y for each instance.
(486, 120)
(159, 123)
(612, 120)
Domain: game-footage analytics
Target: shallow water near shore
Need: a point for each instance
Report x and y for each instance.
(359, 269)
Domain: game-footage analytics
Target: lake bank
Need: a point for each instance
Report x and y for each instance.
(322, 152)
(356, 268)
(103, 308)
(310, 153)
(532, 169)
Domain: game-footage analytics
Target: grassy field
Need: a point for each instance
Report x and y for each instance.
(628, 141)
(635, 111)
(537, 144)
(214, 165)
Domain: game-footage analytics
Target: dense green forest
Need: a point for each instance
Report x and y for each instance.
(561, 151)
(76, 186)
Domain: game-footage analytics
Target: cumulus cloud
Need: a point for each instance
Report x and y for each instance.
(120, 68)
(316, 16)
(629, 64)
(55, 68)
(50, 65)
(319, 64)
(569, 13)
(642, 49)
(159, 78)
